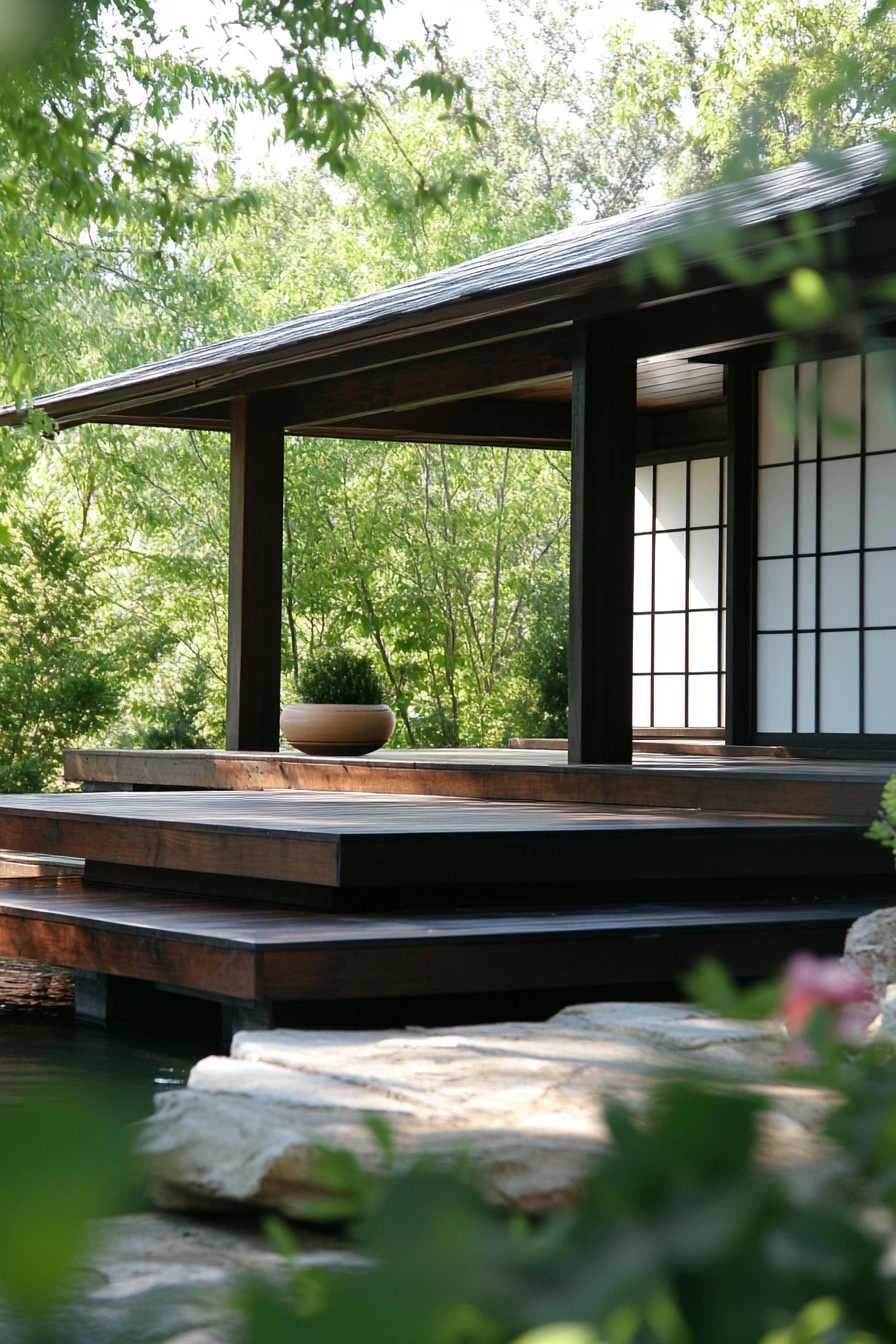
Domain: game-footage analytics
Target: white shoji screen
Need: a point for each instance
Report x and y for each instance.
(679, 609)
(826, 583)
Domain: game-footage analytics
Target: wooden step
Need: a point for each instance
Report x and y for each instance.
(754, 782)
(251, 952)
(352, 850)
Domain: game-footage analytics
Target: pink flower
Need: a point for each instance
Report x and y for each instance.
(812, 982)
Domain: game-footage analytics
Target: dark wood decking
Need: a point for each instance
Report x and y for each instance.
(466, 882)
(755, 782)
(330, 849)
(263, 953)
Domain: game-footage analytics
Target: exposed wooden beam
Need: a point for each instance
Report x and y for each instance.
(426, 382)
(155, 421)
(462, 362)
(255, 585)
(540, 320)
(662, 432)
(715, 318)
(456, 361)
(475, 420)
(602, 525)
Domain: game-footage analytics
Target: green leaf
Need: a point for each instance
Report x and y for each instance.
(711, 986)
(64, 1162)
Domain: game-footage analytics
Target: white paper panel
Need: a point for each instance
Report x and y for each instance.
(776, 511)
(641, 626)
(880, 681)
(880, 500)
(703, 641)
(806, 593)
(722, 646)
(641, 702)
(644, 499)
(774, 694)
(722, 702)
(775, 595)
(643, 573)
(839, 682)
(808, 413)
(840, 484)
(880, 401)
(880, 591)
(670, 571)
(723, 543)
(668, 702)
(724, 490)
(805, 684)
(668, 643)
(776, 415)
(703, 702)
(807, 508)
(671, 495)
(839, 591)
(841, 406)
(703, 576)
(705, 492)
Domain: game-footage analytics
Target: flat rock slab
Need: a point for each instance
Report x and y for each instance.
(524, 1101)
(163, 1278)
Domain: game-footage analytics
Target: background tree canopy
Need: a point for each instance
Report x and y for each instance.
(126, 240)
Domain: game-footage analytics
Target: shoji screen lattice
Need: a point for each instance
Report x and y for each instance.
(826, 581)
(679, 608)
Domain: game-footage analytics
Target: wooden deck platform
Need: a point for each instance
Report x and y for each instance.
(265, 955)
(331, 850)
(761, 780)
(258, 896)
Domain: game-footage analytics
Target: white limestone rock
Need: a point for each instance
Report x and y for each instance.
(871, 946)
(164, 1276)
(525, 1101)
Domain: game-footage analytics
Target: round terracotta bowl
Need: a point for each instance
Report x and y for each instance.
(337, 730)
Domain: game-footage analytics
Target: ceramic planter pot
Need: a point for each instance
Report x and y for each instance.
(337, 730)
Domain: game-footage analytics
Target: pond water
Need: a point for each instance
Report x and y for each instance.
(42, 1046)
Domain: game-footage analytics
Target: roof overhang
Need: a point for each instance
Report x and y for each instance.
(483, 352)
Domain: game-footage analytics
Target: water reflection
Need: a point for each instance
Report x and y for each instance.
(43, 1047)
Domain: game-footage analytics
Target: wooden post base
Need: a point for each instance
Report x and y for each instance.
(106, 999)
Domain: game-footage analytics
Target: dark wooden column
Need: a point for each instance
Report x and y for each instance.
(604, 394)
(256, 575)
(740, 595)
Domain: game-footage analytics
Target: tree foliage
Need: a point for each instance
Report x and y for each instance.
(768, 82)
(447, 565)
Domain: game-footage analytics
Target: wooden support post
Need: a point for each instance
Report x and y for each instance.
(256, 579)
(102, 998)
(740, 595)
(244, 1015)
(91, 996)
(602, 525)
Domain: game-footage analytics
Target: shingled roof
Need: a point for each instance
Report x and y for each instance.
(508, 277)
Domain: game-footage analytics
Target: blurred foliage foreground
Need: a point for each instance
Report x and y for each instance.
(682, 1235)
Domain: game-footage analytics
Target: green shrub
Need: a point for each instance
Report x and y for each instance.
(543, 662)
(884, 829)
(174, 724)
(339, 677)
